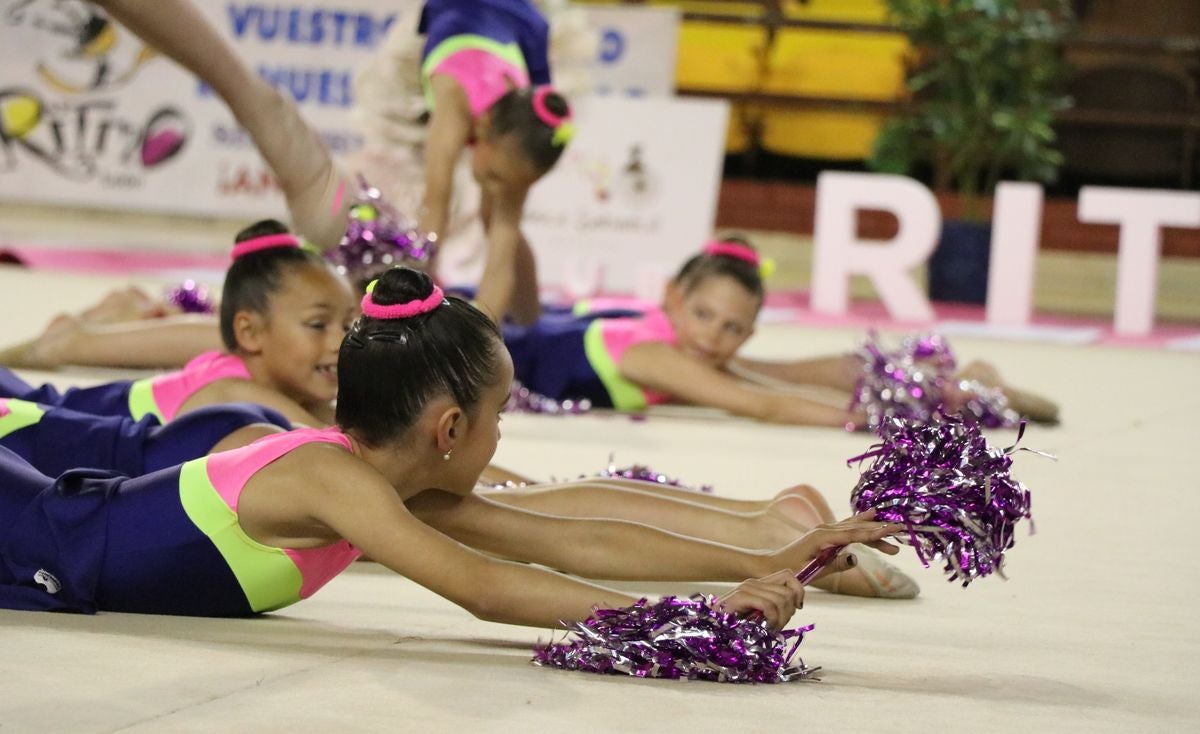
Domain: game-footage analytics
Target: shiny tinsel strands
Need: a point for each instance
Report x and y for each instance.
(940, 479)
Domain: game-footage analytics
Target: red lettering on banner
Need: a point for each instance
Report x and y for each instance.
(241, 180)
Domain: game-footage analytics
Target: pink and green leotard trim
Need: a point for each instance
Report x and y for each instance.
(271, 578)
(18, 414)
(606, 341)
(164, 395)
(484, 67)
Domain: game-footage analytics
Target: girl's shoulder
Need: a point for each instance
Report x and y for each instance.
(305, 457)
(218, 362)
(624, 332)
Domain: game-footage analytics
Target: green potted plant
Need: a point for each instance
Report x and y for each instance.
(986, 79)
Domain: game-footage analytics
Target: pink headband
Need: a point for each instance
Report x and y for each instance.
(265, 242)
(732, 249)
(543, 112)
(401, 310)
(562, 126)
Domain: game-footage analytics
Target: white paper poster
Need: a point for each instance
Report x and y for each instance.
(636, 50)
(632, 197)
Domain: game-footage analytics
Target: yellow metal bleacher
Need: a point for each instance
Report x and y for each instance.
(807, 79)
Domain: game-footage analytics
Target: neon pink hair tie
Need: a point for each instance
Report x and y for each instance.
(732, 249)
(402, 310)
(266, 242)
(543, 112)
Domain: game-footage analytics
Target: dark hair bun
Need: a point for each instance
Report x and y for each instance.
(401, 285)
(557, 104)
(261, 228)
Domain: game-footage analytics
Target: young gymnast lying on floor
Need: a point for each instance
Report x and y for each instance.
(423, 380)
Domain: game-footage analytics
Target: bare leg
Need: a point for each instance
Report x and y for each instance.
(598, 498)
(126, 304)
(166, 342)
(316, 195)
(495, 475)
(772, 524)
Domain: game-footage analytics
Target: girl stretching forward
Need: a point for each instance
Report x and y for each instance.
(283, 315)
(273, 281)
(687, 351)
(423, 381)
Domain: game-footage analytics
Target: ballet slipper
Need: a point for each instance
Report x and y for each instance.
(1032, 406)
(44, 352)
(16, 355)
(873, 578)
(48, 351)
(1027, 404)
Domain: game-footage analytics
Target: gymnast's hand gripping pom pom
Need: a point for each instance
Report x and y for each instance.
(952, 492)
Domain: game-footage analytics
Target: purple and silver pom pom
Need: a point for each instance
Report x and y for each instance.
(523, 400)
(910, 383)
(190, 297)
(642, 473)
(377, 238)
(679, 638)
(951, 490)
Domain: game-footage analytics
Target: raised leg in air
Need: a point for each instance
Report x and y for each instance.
(317, 193)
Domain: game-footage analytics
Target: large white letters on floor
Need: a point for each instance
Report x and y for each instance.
(839, 253)
(1141, 214)
(1016, 224)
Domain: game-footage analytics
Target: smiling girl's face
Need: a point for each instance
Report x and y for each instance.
(305, 323)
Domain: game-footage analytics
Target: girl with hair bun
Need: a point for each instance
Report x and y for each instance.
(423, 380)
(486, 76)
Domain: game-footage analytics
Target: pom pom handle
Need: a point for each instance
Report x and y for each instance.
(817, 564)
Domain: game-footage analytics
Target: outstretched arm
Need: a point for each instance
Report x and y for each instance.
(354, 501)
(839, 372)
(616, 549)
(663, 368)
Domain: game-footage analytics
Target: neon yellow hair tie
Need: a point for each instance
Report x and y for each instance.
(563, 134)
(371, 285)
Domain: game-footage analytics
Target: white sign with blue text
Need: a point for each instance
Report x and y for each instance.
(636, 50)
